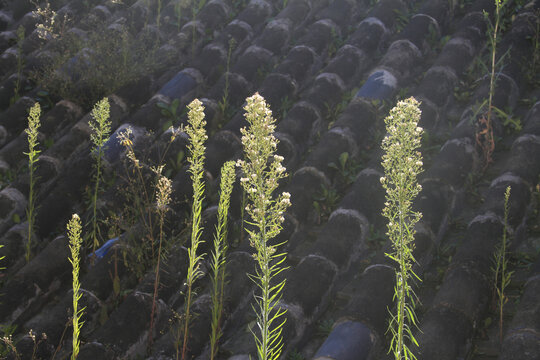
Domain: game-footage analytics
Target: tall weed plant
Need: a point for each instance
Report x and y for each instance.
(484, 136)
(101, 129)
(163, 199)
(224, 106)
(262, 170)
(219, 255)
(197, 136)
(140, 208)
(32, 131)
(139, 204)
(75, 242)
(402, 163)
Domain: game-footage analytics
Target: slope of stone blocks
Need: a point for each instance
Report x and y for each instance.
(330, 71)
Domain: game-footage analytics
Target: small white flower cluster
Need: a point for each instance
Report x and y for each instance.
(197, 137)
(125, 137)
(163, 193)
(286, 198)
(101, 125)
(33, 125)
(47, 24)
(125, 140)
(402, 162)
(175, 132)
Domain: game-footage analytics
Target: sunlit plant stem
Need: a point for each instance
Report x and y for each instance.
(75, 242)
(101, 129)
(197, 135)
(502, 275)
(219, 255)
(163, 198)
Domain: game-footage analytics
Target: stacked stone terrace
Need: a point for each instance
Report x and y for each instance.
(330, 71)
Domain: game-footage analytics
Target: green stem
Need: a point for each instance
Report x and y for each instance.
(156, 283)
(217, 298)
(94, 205)
(158, 13)
(193, 13)
(265, 271)
(265, 293)
(193, 268)
(402, 281)
(502, 263)
(186, 323)
(142, 209)
(30, 213)
(492, 80)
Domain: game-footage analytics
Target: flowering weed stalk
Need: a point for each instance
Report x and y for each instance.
(140, 199)
(75, 241)
(101, 129)
(32, 132)
(262, 170)
(163, 198)
(219, 255)
(402, 163)
(197, 136)
(141, 205)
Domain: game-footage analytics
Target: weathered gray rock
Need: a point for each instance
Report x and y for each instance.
(342, 237)
(275, 36)
(12, 203)
(319, 35)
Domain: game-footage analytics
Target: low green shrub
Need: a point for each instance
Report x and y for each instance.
(85, 70)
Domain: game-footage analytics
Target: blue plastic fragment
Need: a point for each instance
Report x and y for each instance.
(350, 340)
(178, 86)
(104, 249)
(379, 86)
